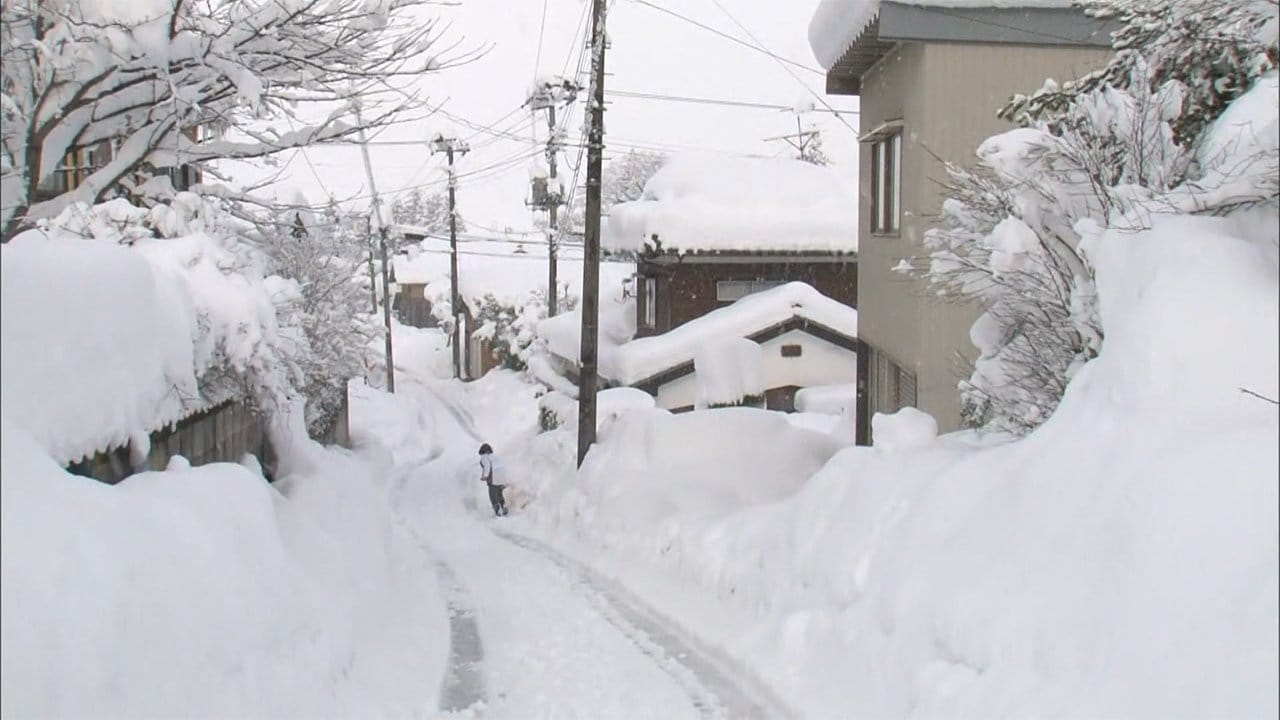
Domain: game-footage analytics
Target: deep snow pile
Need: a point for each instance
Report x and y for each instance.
(697, 203)
(1122, 560)
(103, 342)
(207, 592)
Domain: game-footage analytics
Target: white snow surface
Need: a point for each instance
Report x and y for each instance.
(103, 342)
(206, 592)
(827, 399)
(700, 203)
(644, 357)
(729, 370)
(836, 24)
(1121, 560)
(906, 429)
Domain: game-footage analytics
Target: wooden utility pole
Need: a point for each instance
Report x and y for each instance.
(546, 96)
(553, 192)
(591, 261)
(382, 235)
(450, 147)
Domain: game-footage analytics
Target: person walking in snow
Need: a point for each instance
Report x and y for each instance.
(488, 462)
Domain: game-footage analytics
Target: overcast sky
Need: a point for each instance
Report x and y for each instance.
(650, 52)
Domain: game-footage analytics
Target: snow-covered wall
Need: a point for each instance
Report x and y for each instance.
(95, 348)
(102, 343)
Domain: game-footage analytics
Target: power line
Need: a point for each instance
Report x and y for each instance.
(789, 71)
(542, 29)
(727, 36)
(719, 101)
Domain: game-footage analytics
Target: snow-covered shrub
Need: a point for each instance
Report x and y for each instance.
(512, 330)
(327, 301)
(1112, 149)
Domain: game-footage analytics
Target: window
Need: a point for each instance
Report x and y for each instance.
(728, 291)
(650, 302)
(791, 350)
(892, 386)
(886, 183)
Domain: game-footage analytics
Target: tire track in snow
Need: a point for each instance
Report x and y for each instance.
(464, 685)
(717, 688)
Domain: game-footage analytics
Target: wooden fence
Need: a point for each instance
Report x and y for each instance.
(225, 433)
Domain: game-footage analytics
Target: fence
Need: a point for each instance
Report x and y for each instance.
(225, 433)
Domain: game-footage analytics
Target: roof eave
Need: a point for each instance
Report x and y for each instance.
(845, 76)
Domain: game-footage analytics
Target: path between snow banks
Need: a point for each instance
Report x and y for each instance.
(715, 686)
(464, 685)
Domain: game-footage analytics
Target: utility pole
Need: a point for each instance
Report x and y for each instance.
(382, 239)
(553, 203)
(591, 260)
(373, 280)
(452, 146)
(800, 141)
(546, 96)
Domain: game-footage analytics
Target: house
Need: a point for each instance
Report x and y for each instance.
(930, 76)
(492, 268)
(729, 247)
(79, 163)
(711, 230)
(806, 340)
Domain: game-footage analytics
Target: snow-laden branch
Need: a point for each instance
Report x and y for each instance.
(179, 82)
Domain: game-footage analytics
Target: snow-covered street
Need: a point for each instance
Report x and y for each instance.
(536, 634)
(875, 360)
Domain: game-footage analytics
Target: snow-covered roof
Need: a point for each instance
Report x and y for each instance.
(617, 323)
(645, 357)
(629, 361)
(491, 267)
(701, 203)
(836, 24)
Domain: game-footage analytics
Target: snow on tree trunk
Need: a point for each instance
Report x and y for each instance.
(730, 372)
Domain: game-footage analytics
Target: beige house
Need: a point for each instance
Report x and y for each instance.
(930, 80)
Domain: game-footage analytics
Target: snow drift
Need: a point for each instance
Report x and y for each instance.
(1122, 560)
(206, 592)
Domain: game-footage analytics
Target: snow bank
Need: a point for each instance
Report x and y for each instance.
(836, 24)
(90, 354)
(645, 357)
(708, 203)
(827, 399)
(906, 429)
(1121, 560)
(103, 342)
(730, 370)
(654, 473)
(205, 592)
